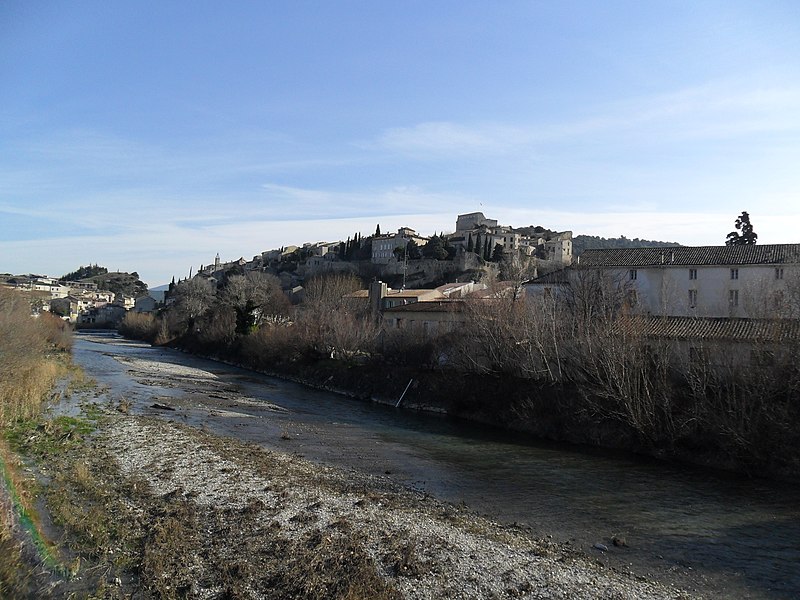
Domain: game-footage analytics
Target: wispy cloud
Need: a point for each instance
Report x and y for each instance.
(300, 203)
(441, 138)
(716, 110)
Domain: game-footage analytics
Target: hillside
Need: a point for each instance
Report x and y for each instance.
(127, 284)
(592, 242)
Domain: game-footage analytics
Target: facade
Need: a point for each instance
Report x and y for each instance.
(102, 316)
(468, 222)
(758, 281)
(380, 297)
(383, 246)
(145, 304)
(431, 318)
(477, 229)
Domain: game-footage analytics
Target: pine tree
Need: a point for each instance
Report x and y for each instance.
(470, 244)
(748, 237)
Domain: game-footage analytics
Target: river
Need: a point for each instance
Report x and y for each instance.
(710, 533)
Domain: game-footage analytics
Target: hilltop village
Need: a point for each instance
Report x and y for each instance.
(477, 248)
(475, 251)
(671, 350)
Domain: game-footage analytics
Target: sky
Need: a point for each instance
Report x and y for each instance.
(149, 136)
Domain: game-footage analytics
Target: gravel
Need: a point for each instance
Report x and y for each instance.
(424, 548)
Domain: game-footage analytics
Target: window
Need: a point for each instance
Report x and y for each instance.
(734, 273)
(733, 298)
(632, 274)
(778, 300)
(692, 298)
(692, 273)
(779, 273)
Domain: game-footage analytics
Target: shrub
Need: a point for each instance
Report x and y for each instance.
(140, 326)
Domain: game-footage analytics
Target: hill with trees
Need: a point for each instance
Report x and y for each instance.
(84, 273)
(593, 242)
(127, 284)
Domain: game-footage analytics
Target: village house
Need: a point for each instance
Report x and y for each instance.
(474, 230)
(145, 304)
(720, 343)
(383, 246)
(426, 319)
(108, 315)
(379, 297)
(755, 281)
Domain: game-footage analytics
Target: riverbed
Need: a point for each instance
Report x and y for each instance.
(710, 533)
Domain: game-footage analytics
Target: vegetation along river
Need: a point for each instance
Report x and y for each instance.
(707, 532)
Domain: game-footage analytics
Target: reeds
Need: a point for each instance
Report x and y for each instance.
(29, 356)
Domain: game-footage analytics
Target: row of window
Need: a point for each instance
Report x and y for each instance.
(733, 298)
(633, 273)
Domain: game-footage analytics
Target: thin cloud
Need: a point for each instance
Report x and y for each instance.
(451, 139)
(711, 111)
(300, 203)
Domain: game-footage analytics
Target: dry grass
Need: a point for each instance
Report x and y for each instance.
(14, 579)
(29, 363)
(140, 326)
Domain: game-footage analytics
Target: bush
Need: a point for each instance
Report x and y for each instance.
(269, 346)
(140, 326)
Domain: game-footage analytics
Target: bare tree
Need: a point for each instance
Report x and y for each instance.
(332, 323)
(255, 297)
(517, 269)
(192, 298)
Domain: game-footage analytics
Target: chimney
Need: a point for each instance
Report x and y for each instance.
(377, 292)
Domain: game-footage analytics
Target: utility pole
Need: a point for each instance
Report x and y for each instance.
(405, 266)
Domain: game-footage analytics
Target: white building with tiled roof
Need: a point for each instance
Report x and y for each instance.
(759, 281)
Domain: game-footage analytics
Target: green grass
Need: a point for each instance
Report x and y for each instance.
(43, 438)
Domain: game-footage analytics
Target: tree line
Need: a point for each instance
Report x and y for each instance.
(583, 358)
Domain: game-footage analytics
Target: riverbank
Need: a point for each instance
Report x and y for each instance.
(162, 510)
(548, 412)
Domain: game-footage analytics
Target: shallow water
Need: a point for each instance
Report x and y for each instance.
(707, 532)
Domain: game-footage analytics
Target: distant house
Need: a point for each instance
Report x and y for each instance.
(383, 246)
(380, 297)
(459, 290)
(71, 307)
(716, 343)
(145, 304)
(431, 318)
(109, 315)
(555, 285)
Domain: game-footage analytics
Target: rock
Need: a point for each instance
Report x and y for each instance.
(619, 541)
(601, 547)
(160, 406)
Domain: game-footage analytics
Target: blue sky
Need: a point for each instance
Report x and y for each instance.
(149, 136)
